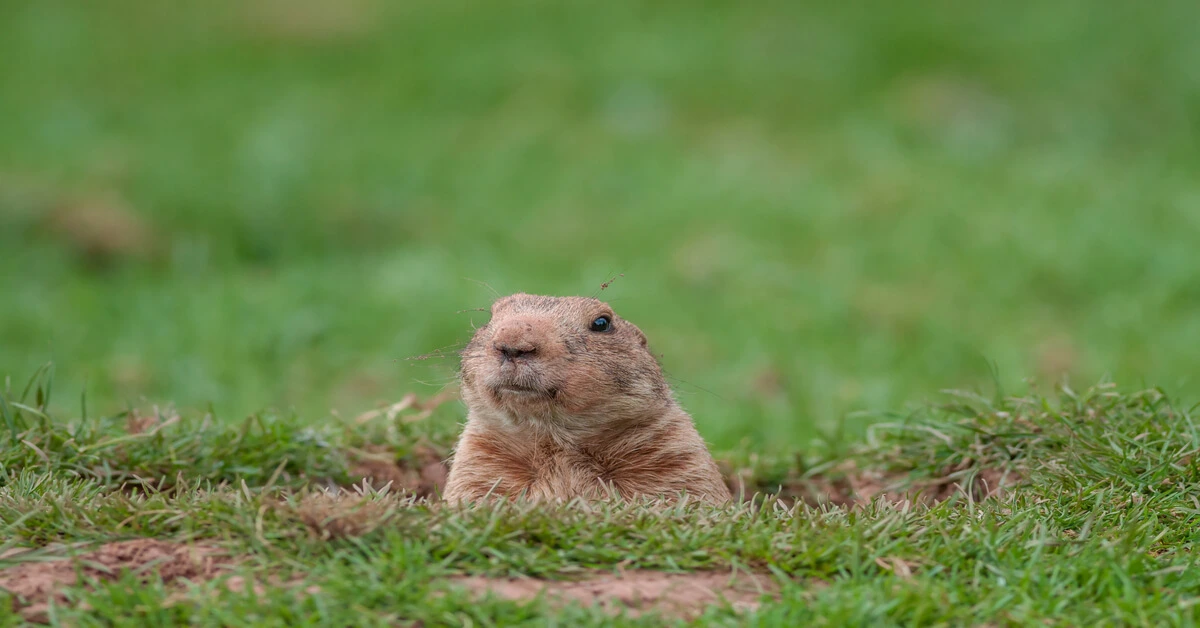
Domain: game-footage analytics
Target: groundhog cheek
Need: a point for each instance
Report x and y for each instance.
(584, 389)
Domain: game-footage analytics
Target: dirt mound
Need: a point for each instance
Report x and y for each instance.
(423, 474)
(848, 485)
(857, 487)
(102, 230)
(680, 595)
(342, 514)
(36, 582)
(421, 469)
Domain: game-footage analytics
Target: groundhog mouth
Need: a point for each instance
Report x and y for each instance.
(521, 392)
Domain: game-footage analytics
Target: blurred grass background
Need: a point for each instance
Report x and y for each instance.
(819, 208)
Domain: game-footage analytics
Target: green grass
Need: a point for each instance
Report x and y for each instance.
(822, 213)
(1101, 530)
(818, 209)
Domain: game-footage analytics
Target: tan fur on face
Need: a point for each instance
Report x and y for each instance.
(558, 411)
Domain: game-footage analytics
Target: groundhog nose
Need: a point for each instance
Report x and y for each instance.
(513, 350)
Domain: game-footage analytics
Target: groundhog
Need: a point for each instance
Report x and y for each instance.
(565, 400)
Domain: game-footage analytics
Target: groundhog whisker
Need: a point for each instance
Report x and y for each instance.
(485, 284)
(687, 383)
(442, 385)
(442, 352)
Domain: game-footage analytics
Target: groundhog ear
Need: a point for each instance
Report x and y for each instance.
(641, 336)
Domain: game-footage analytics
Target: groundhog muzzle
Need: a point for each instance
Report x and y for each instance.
(565, 400)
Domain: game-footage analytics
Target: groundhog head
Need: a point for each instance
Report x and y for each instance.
(568, 360)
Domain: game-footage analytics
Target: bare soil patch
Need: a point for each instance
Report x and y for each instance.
(679, 595)
(36, 582)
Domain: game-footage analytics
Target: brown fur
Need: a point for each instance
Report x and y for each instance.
(570, 412)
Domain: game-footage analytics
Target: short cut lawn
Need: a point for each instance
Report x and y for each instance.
(1078, 509)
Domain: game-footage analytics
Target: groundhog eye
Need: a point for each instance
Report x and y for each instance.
(601, 324)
